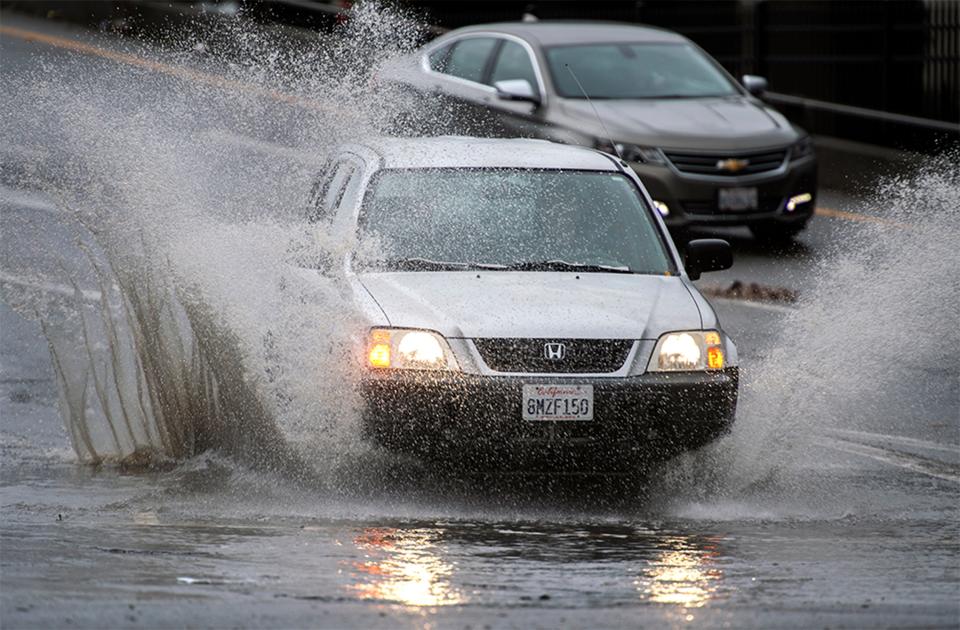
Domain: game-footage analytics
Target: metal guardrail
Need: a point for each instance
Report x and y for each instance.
(862, 112)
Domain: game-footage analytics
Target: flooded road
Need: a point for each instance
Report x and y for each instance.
(835, 501)
(848, 538)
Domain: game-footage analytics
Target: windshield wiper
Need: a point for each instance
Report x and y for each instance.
(562, 265)
(677, 96)
(426, 264)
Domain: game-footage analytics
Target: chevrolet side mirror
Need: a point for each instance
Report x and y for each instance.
(516, 90)
(706, 254)
(754, 84)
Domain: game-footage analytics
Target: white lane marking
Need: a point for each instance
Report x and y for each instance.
(894, 458)
(766, 306)
(261, 146)
(900, 439)
(63, 290)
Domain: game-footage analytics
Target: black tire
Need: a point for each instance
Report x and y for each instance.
(776, 232)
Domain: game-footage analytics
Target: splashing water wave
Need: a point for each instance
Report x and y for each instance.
(885, 307)
(179, 323)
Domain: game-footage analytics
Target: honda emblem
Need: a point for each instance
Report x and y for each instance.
(554, 351)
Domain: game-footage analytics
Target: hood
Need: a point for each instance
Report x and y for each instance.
(697, 123)
(534, 304)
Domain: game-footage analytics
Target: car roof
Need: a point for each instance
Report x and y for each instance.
(468, 152)
(552, 33)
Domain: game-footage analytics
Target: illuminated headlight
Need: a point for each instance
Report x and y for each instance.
(802, 148)
(688, 351)
(661, 207)
(405, 349)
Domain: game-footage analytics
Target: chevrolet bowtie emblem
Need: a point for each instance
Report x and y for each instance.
(732, 165)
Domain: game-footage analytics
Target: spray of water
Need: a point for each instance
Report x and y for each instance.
(185, 314)
(882, 314)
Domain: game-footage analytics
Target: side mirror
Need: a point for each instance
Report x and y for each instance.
(516, 90)
(754, 84)
(707, 254)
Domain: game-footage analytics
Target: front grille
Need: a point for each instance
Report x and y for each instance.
(710, 164)
(765, 204)
(580, 356)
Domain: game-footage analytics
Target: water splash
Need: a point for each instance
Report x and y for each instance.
(181, 319)
(883, 310)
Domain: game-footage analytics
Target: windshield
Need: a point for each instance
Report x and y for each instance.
(653, 70)
(431, 219)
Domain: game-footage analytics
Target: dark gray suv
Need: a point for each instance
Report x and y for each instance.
(709, 151)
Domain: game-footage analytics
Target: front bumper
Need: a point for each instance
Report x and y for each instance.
(693, 200)
(477, 420)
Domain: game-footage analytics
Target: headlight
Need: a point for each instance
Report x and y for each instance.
(633, 152)
(802, 148)
(405, 349)
(687, 352)
(644, 155)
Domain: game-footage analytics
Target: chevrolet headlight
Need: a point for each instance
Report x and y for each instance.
(644, 155)
(802, 148)
(407, 349)
(632, 152)
(688, 351)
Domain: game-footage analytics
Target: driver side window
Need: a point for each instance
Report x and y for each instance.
(329, 192)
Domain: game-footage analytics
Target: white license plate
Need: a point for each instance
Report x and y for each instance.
(557, 402)
(737, 199)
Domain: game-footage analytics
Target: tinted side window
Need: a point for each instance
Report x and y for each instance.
(469, 57)
(351, 192)
(438, 59)
(319, 189)
(512, 63)
(330, 191)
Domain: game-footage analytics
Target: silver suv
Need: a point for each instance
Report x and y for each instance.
(525, 306)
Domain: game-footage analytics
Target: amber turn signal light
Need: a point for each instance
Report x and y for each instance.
(714, 358)
(378, 356)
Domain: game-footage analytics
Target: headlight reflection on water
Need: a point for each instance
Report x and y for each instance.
(403, 568)
(681, 574)
(408, 567)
